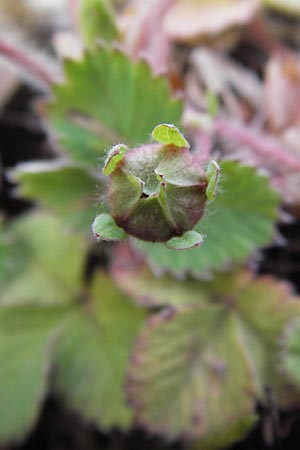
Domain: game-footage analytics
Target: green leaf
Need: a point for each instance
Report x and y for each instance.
(169, 134)
(197, 370)
(290, 352)
(190, 239)
(284, 6)
(43, 262)
(104, 227)
(106, 99)
(213, 176)
(212, 103)
(239, 220)
(93, 356)
(69, 191)
(97, 21)
(27, 335)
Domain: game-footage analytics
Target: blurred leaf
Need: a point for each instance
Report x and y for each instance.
(97, 21)
(108, 99)
(69, 191)
(94, 355)
(291, 352)
(240, 219)
(43, 263)
(27, 335)
(284, 6)
(197, 370)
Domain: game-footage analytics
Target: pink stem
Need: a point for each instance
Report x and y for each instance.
(263, 144)
(25, 61)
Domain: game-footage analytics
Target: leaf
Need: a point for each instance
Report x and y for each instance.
(94, 355)
(69, 191)
(290, 352)
(190, 239)
(43, 262)
(104, 227)
(27, 335)
(197, 370)
(106, 99)
(97, 20)
(115, 155)
(239, 220)
(169, 134)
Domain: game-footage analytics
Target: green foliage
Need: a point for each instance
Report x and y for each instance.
(188, 240)
(69, 191)
(97, 21)
(236, 223)
(108, 99)
(104, 227)
(198, 367)
(290, 352)
(51, 323)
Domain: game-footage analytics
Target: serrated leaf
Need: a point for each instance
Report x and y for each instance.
(69, 191)
(97, 20)
(94, 355)
(190, 239)
(105, 99)
(43, 262)
(27, 335)
(239, 220)
(104, 227)
(196, 370)
(169, 134)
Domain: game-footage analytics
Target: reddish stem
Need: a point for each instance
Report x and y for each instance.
(263, 144)
(17, 56)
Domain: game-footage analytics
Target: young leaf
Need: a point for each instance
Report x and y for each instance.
(93, 356)
(190, 239)
(196, 370)
(105, 99)
(239, 220)
(67, 190)
(104, 227)
(97, 21)
(169, 134)
(27, 335)
(115, 155)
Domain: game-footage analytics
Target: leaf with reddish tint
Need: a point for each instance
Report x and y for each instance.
(196, 370)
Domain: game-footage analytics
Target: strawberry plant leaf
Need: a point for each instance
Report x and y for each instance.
(222, 344)
(93, 356)
(69, 191)
(106, 99)
(290, 353)
(97, 21)
(43, 262)
(239, 220)
(27, 335)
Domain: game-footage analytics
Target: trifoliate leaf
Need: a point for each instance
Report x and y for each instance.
(104, 227)
(190, 239)
(69, 191)
(105, 99)
(97, 21)
(93, 356)
(43, 262)
(27, 335)
(239, 220)
(196, 370)
(169, 134)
